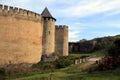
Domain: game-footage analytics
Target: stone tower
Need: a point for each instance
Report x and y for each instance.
(61, 40)
(48, 33)
(26, 37)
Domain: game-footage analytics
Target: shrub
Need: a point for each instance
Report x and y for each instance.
(63, 62)
(48, 65)
(117, 42)
(2, 74)
(112, 59)
(44, 65)
(59, 63)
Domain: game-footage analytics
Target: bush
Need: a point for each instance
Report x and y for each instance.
(115, 49)
(63, 62)
(117, 42)
(112, 59)
(59, 63)
(44, 65)
(48, 66)
(2, 74)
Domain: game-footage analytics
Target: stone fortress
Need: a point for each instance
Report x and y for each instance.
(26, 36)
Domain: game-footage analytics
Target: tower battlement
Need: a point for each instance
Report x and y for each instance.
(19, 13)
(61, 27)
(48, 19)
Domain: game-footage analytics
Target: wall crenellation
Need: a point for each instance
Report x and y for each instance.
(11, 10)
(48, 19)
(26, 32)
(19, 13)
(0, 8)
(59, 27)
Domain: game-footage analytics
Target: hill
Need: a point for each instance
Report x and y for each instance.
(92, 45)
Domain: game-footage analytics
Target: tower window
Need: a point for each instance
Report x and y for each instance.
(49, 32)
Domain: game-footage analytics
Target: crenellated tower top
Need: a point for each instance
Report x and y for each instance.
(61, 27)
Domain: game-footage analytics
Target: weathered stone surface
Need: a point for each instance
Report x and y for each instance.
(20, 41)
(25, 36)
(61, 40)
(48, 36)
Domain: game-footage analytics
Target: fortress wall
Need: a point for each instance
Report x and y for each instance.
(65, 50)
(61, 40)
(19, 13)
(49, 36)
(20, 36)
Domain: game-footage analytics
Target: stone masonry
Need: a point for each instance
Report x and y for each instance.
(25, 36)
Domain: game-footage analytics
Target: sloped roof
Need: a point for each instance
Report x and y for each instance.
(47, 14)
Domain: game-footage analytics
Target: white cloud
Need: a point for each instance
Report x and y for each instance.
(100, 33)
(88, 7)
(17, 3)
(71, 8)
(75, 30)
(115, 12)
(114, 25)
(105, 24)
(74, 34)
(14, 2)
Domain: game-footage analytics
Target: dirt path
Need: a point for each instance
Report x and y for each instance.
(90, 62)
(94, 59)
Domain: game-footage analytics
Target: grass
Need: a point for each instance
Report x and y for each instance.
(72, 72)
(96, 53)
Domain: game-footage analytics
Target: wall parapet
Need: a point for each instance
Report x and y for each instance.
(19, 13)
(61, 26)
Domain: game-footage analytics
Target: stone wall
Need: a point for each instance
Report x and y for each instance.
(20, 36)
(61, 40)
(25, 36)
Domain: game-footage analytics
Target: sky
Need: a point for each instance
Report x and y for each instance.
(87, 19)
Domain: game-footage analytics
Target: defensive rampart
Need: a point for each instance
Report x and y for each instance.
(20, 36)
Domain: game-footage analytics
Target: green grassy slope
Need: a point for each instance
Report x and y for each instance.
(73, 72)
(96, 53)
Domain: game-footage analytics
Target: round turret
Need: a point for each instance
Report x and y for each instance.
(48, 33)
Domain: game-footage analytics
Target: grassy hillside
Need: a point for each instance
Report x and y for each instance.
(95, 44)
(72, 72)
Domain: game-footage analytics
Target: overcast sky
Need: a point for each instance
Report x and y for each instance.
(86, 19)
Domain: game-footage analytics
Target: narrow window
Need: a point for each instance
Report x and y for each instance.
(49, 33)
